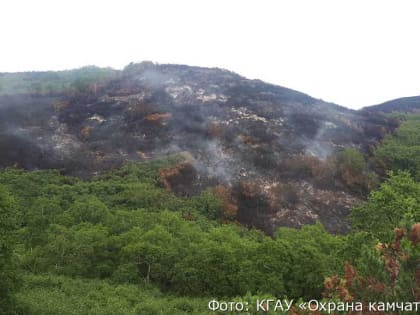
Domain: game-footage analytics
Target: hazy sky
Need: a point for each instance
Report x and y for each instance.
(353, 52)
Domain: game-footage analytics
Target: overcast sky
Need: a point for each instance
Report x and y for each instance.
(353, 53)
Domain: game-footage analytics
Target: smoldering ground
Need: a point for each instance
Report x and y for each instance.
(238, 132)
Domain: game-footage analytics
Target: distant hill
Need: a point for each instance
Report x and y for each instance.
(404, 104)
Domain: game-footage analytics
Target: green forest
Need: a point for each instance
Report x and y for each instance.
(119, 243)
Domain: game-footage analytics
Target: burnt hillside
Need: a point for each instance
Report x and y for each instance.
(268, 151)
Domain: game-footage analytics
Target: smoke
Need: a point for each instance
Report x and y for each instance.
(219, 163)
(275, 122)
(209, 158)
(319, 146)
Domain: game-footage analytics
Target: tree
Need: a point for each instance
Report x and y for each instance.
(89, 209)
(82, 250)
(352, 168)
(388, 272)
(153, 253)
(396, 199)
(39, 216)
(351, 159)
(311, 255)
(402, 150)
(209, 205)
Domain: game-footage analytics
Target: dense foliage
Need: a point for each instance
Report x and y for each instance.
(124, 228)
(402, 150)
(394, 204)
(53, 295)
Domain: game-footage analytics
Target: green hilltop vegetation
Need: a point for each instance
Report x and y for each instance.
(402, 150)
(51, 82)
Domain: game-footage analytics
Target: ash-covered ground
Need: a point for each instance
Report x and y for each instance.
(270, 148)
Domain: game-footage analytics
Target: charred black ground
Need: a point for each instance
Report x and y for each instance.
(270, 148)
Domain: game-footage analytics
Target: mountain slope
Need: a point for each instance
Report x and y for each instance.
(404, 104)
(268, 151)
